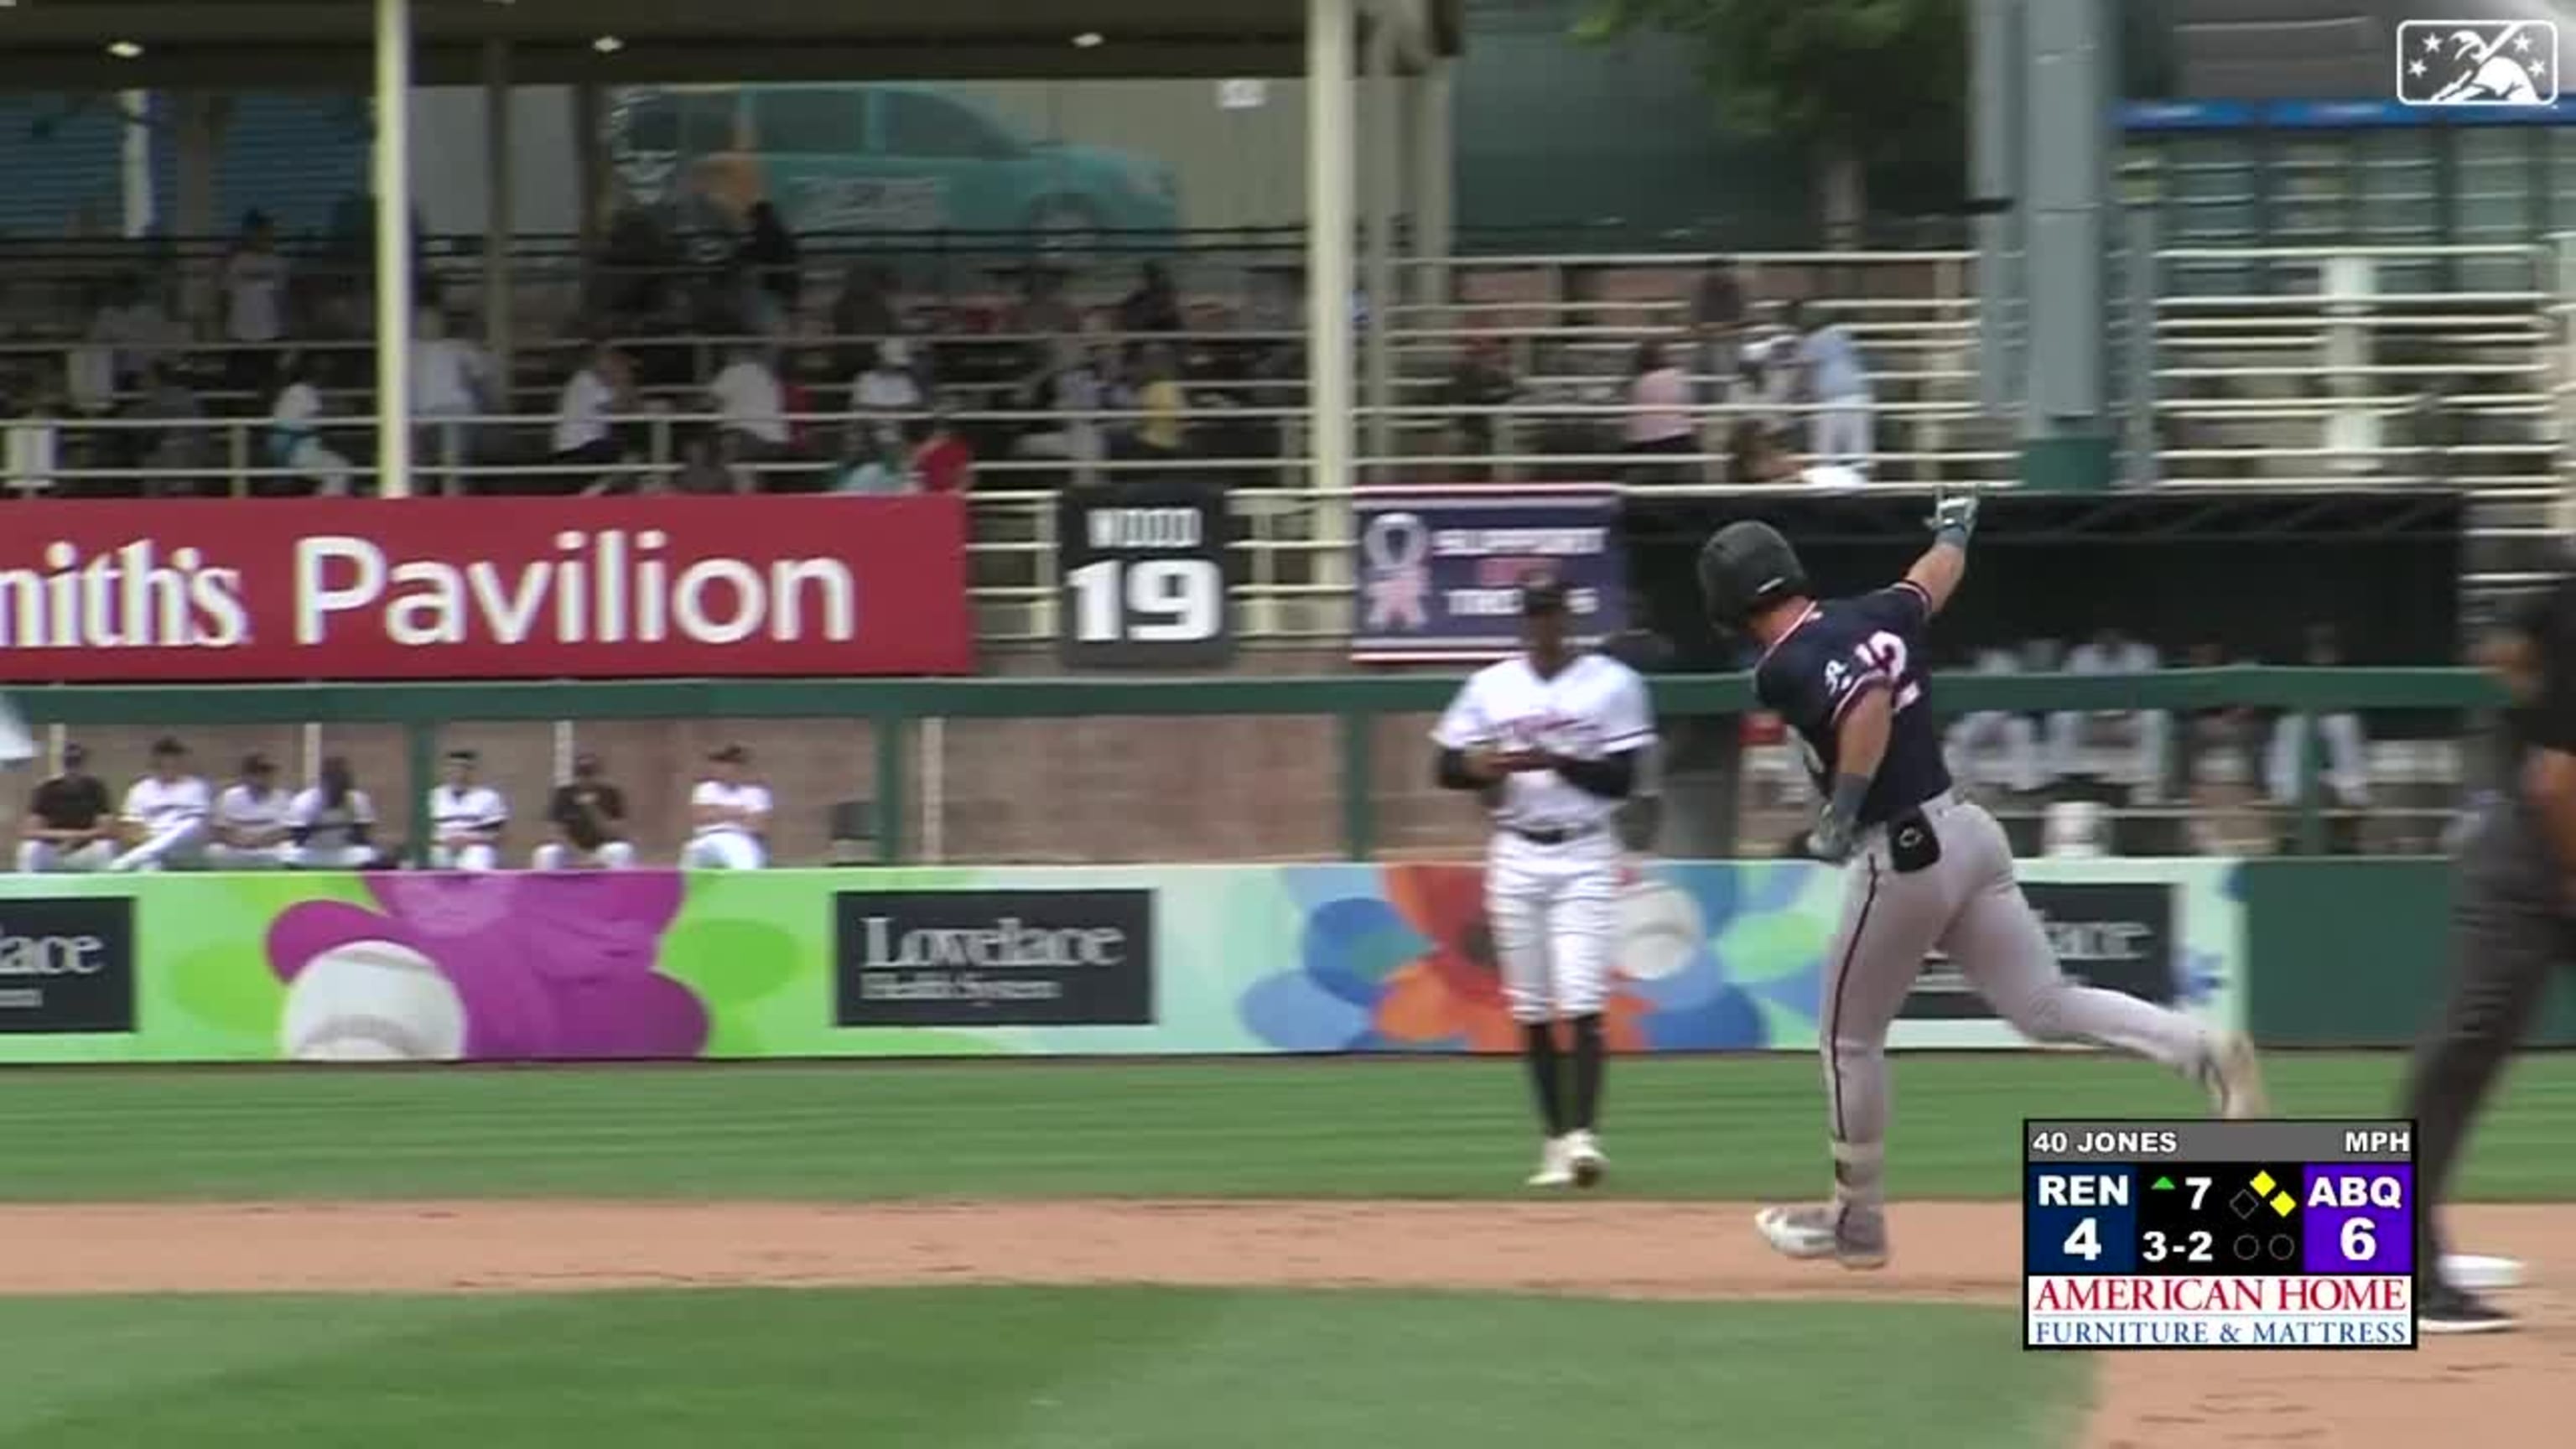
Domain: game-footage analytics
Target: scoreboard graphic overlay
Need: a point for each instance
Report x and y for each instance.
(2199, 1234)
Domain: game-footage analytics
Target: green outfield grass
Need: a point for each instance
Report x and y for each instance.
(1712, 1128)
(1026, 1368)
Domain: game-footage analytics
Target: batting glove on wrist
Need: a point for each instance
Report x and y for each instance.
(1831, 840)
(1954, 516)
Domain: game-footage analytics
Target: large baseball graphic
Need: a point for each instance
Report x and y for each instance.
(372, 1001)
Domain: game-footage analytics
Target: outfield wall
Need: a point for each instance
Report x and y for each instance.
(974, 961)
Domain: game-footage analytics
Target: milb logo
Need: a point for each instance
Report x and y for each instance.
(66, 965)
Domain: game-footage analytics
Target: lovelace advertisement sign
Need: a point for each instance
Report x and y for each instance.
(484, 588)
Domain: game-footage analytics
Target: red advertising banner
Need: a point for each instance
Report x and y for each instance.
(483, 588)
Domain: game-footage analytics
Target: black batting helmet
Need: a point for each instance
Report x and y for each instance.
(1745, 567)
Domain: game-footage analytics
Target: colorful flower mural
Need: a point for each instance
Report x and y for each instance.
(487, 968)
(1401, 959)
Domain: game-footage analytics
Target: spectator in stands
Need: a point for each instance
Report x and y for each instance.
(729, 816)
(295, 434)
(2119, 747)
(165, 813)
(177, 451)
(70, 823)
(1073, 388)
(864, 310)
(254, 301)
(250, 829)
(1480, 378)
(883, 398)
(1997, 748)
(1717, 328)
(2346, 771)
(586, 433)
(466, 818)
(1837, 381)
(945, 461)
(1044, 312)
(135, 329)
(751, 417)
(1755, 454)
(33, 440)
(1155, 305)
(1659, 413)
(1161, 435)
(699, 471)
(589, 818)
(453, 382)
(330, 822)
(775, 268)
(881, 467)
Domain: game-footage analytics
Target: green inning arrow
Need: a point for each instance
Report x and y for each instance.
(2164, 1184)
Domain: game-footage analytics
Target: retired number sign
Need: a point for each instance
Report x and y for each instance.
(1144, 570)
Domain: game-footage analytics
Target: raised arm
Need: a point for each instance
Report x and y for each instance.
(1943, 566)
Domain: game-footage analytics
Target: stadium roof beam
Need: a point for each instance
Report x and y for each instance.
(56, 45)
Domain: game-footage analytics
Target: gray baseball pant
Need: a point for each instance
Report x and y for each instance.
(1968, 904)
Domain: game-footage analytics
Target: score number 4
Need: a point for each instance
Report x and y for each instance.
(1148, 601)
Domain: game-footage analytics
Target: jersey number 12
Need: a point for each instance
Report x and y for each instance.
(1885, 652)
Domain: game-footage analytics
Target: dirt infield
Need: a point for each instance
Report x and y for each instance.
(2467, 1391)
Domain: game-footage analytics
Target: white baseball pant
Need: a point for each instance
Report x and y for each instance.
(1555, 916)
(556, 855)
(1969, 904)
(464, 857)
(328, 857)
(220, 856)
(724, 850)
(42, 857)
(178, 844)
(1841, 432)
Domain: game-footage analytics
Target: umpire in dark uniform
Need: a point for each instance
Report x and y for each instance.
(2513, 925)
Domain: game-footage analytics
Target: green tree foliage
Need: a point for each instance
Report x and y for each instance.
(1878, 87)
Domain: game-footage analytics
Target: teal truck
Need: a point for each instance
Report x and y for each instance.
(877, 158)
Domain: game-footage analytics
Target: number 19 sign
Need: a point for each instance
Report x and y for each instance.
(1144, 571)
(2249, 1235)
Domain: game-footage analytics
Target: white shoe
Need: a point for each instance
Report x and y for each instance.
(1555, 1169)
(2233, 1077)
(2481, 1274)
(1854, 1236)
(1584, 1160)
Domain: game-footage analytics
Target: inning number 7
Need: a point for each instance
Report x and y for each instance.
(1885, 653)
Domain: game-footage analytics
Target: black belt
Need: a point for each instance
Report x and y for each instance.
(1552, 834)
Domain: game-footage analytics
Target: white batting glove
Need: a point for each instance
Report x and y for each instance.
(1954, 515)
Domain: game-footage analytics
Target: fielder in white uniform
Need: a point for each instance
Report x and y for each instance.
(330, 824)
(250, 820)
(167, 810)
(71, 823)
(465, 819)
(1551, 741)
(729, 815)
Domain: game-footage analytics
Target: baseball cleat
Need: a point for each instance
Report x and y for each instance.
(1584, 1159)
(1554, 1168)
(2233, 1078)
(2446, 1309)
(1853, 1236)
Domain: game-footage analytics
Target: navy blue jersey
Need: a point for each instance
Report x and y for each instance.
(1840, 651)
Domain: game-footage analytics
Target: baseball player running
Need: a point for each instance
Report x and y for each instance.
(1551, 739)
(2510, 932)
(1926, 868)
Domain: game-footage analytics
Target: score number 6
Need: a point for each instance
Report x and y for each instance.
(2358, 1242)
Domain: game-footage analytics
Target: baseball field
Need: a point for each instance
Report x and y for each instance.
(1048, 1256)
